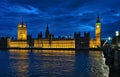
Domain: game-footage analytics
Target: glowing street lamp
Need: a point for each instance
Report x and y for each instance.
(117, 33)
(109, 39)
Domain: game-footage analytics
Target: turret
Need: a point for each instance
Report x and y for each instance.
(22, 31)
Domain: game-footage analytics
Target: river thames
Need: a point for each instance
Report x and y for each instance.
(52, 63)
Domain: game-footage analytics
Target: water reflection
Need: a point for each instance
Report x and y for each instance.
(90, 64)
(4, 64)
(55, 63)
(97, 66)
(19, 63)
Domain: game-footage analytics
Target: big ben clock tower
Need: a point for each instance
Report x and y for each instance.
(98, 32)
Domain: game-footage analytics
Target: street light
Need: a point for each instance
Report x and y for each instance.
(117, 34)
(109, 39)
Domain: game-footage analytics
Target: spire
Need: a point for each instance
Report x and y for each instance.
(47, 32)
(21, 23)
(21, 19)
(98, 19)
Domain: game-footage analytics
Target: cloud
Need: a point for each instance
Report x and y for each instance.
(65, 16)
(85, 27)
(7, 8)
(20, 9)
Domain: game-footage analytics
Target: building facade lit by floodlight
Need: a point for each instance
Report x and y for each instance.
(96, 43)
(78, 42)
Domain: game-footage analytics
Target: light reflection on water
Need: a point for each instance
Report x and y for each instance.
(97, 64)
(19, 63)
(52, 63)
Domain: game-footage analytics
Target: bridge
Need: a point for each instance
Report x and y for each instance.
(112, 55)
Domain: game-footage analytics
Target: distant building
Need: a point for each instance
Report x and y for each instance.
(30, 41)
(96, 43)
(22, 31)
(49, 41)
(54, 43)
(40, 35)
(17, 44)
(82, 42)
(21, 42)
(3, 42)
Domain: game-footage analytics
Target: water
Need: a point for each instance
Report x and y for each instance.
(52, 63)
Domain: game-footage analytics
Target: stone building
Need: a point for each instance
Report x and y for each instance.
(96, 43)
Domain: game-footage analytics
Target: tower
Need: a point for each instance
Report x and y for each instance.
(98, 32)
(22, 31)
(47, 33)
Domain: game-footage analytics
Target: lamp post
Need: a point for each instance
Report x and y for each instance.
(109, 39)
(116, 58)
(117, 34)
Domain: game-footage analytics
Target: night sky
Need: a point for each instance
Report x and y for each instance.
(64, 17)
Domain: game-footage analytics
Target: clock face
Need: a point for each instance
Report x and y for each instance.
(97, 26)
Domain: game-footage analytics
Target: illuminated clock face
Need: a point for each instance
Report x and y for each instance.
(97, 26)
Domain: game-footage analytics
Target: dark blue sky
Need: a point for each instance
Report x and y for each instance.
(63, 16)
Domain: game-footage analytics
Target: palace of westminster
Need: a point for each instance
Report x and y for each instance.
(78, 42)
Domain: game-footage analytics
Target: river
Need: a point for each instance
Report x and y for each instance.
(52, 63)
